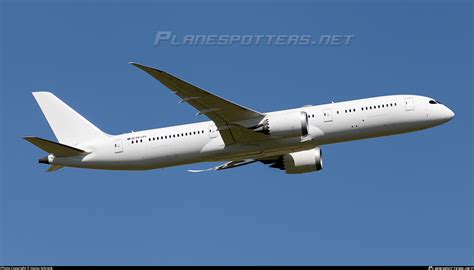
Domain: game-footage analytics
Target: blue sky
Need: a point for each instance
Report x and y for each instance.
(400, 200)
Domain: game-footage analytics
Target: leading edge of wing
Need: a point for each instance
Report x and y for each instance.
(164, 77)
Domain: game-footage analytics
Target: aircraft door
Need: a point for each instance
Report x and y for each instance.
(327, 115)
(118, 148)
(212, 131)
(409, 104)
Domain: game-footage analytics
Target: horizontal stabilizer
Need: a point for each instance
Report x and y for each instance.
(54, 168)
(57, 149)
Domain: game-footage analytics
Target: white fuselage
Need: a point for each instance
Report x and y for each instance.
(201, 142)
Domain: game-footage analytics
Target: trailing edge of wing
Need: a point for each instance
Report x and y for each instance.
(57, 149)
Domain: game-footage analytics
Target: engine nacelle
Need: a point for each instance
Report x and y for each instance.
(303, 161)
(292, 124)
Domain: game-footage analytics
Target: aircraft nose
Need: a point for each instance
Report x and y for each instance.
(449, 114)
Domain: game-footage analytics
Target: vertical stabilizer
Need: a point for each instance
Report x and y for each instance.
(69, 126)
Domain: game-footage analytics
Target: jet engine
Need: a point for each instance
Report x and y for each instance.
(301, 162)
(292, 124)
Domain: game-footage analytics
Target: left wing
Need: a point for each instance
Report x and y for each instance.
(224, 113)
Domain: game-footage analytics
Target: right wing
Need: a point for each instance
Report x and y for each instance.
(227, 165)
(273, 161)
(225, 114)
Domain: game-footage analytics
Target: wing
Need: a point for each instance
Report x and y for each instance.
(224, 113)
(228, 165)
(274, 161)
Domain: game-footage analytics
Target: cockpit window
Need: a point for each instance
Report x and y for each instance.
(433, 102)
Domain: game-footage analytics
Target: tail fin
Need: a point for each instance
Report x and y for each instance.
(69, 127)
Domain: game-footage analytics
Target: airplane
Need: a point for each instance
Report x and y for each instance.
(288, 140)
